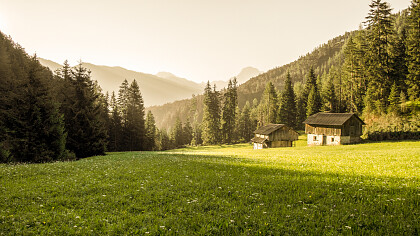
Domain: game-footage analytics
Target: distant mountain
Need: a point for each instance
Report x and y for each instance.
(243, 76)
(185, 82)
(247, 73)
(159, 89)
(155, 90)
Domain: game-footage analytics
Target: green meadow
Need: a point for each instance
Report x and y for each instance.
(362, 189)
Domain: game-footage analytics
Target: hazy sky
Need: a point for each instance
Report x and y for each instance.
(196, 39)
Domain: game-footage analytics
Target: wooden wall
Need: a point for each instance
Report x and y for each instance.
(284, 134)
(352, 127)
(324, 130)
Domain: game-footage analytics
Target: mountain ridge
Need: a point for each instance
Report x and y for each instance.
(152, 87)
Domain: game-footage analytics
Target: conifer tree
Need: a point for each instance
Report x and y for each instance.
(197, 138)
(150, 132)
(413, 51)
(397, 51)
(379, 29)
(187, 132)
(115, 128)
(40, 129)
(393, 100)
(87, 134)
(177, 134)
(313, 102)
(211, 116)
(354, 68)
(229, 111)
(269, 104)
(245, 126)
(330, 97)
(287, 110)
(134, 126)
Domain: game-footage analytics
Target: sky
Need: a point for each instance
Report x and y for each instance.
(195, 39)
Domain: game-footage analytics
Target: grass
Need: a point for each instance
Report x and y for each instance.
(220, 190)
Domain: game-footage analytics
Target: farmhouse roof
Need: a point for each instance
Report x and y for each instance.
(258, 140)
(323, 118)
(268, 129)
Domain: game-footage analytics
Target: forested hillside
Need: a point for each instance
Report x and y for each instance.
(324, 58)
(373, 72)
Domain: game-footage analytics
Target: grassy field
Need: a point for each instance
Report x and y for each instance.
(355, 189)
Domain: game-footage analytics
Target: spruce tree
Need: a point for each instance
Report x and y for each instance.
(135, 123)
(269, 104)
(150, 132)
(397, 51)
(314, 102)
(354, 69)
(379, 29)
(245, 126)
(177, 134)
(115, 127)
(211, 116)
(187, 132)
(40, 130)
(413, 51)
(229, 111)
(393, 100)
(287, 110)
(330, 97)
(87, 134)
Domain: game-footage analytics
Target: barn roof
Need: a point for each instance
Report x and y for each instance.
(258, 140)
(330, 118)
(268, 129)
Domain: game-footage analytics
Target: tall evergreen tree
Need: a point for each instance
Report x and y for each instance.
(394, 99)
(187, 132)
(245, 126)
(379, 29)
(413, 51)
(211, 116)
(287, 110)
(354, 68)
(150, 132)
(134, 126)
(177, 134)
(269, 104)
(87, 134)
(229, 111)
(397, 51)
(115, 128)
(313, 102)
(330, 97)
(40, 129)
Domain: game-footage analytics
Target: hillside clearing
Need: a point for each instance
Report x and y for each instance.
(363, 189)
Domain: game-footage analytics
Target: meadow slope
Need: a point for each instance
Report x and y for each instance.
(368, 188)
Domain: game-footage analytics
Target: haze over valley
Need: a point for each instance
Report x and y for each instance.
(164, 87)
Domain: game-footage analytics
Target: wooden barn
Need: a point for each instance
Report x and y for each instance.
(333, 128)
(274, 135)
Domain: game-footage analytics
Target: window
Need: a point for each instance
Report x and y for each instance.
(332, 139)
(314, 138)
